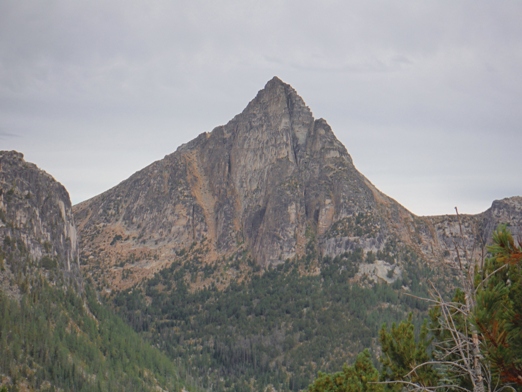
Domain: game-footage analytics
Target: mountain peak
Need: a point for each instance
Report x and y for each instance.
(275, 89)
(279, 110)
(276, 86)
(259, 184)
(275, 80)
(271, 184)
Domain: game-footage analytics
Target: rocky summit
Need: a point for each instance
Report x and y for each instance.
(272, 184)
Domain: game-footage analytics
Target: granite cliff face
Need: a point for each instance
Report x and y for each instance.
(272, 184)
(37, 231)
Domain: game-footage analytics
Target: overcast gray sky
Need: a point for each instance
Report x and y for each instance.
(425, 95)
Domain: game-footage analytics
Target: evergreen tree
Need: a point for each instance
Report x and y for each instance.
(405, 358)
(362, 376)
(498, 314)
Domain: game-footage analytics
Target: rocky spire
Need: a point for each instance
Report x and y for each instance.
(264, 183)
(284, 109)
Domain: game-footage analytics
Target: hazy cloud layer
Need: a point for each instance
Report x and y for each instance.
(424, 95)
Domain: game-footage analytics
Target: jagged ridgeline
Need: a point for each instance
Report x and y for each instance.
(55, 334)
(259, 254)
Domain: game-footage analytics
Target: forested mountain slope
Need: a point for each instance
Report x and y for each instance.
(55, 334)
(259, 254)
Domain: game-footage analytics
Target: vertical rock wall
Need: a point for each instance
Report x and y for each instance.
(37, 229)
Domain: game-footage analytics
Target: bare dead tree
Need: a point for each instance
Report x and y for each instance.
(468, 343)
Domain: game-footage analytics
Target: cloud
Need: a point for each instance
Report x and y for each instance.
(418, 88)
(7, 135)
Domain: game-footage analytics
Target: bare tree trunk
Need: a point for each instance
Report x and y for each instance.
(469, 291)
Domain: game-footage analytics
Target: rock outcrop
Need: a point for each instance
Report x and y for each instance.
(37, 230)
(273, 183)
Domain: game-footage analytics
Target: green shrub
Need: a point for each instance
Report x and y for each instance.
(48, 263)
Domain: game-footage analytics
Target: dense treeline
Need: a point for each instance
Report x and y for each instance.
(52, 339)
(277, 328)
